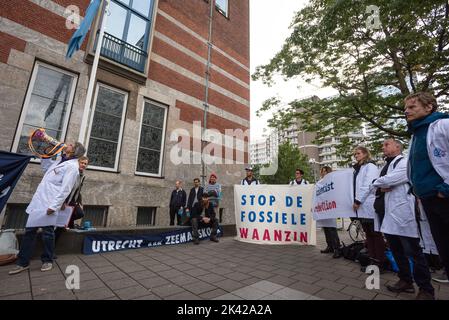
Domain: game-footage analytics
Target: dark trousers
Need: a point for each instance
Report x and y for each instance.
(195, 223)
(29, 242)
(173, 214)
(375, 242)
(332, 239)
(437, 212)
(404, 248)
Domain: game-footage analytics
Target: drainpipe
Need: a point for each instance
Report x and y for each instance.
(206, 94)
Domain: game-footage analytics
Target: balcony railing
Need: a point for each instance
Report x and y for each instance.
(123, 52)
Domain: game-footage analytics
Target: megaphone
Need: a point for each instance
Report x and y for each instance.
(47, 146)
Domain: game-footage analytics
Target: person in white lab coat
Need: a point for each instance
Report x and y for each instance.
(395, 217)
(57, 183)
(329, 227)
(364, 173)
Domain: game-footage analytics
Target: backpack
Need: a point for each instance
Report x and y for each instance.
(351, 252)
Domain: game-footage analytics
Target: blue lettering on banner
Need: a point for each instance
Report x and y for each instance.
(100, 243)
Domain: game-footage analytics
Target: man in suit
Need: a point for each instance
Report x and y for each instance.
(194, 202)
(177, 201)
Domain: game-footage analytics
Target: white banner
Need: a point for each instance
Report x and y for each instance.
(274, 214)
(334, 196)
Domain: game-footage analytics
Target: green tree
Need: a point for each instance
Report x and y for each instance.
(289, 159)
(373, 59)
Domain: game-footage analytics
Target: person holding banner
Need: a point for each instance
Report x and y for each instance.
(298, 178)
(330, 227)
(395, 217)
(194, 201)
(55, 187)
(365, 172)
(249, 180)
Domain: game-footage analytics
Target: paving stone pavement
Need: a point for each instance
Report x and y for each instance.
(229, 270)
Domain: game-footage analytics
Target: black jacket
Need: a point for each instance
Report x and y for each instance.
(178, 199)
(192, 197)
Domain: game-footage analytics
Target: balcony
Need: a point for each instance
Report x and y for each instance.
(124, 53)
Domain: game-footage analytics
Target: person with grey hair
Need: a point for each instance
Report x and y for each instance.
(395, 218)
(48, 200)
(429, 167)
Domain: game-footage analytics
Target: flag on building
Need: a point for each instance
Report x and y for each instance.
(78, 37)
(12, 166)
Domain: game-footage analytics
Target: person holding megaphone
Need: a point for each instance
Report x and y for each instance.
(60, 176)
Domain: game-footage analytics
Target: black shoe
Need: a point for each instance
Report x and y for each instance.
(214, 239)
(196, 241)
(337, 254)
(425, 295)
(327, 250)
(401, 286)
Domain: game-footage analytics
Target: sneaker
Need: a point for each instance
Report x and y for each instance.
(424, 295)
(441, 278)
(18, 269)
(196, 241)
(327, 250)
(214, 239)
(46, 266)
(401, 286)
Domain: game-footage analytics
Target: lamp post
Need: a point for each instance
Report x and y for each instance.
(313, 163)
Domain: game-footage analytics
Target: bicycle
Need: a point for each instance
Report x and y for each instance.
(355, 231)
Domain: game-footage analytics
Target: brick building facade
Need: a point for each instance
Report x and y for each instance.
(150, 90)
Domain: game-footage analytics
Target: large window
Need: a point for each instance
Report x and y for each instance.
(47, 105)
(97, 215)
(152, 136)
(146, 216)
(127, 32)
(106, 128)
(222, 6)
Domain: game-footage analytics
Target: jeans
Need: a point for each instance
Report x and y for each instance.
(375, 242)
(29, 242)
(332, 239)
(195, 222)
(404, 248)
(173, 214)
(437, 212)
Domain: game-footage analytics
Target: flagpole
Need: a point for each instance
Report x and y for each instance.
(93, 74)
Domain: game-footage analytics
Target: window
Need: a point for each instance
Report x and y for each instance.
(47, 105)
(127, 32)
(97, 215)
(152, 138)
(146, 216)
(222, 6)
(15, 216)
(106, 128)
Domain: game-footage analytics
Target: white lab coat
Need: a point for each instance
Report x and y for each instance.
(56, 185)
(368, 172)
(399, 217)
(438, 147)
(427, 243)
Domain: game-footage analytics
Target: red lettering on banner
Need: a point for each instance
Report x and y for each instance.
(277, 235)
(266, 235)
(287, 236)
(244, 233)
(303, 237)
(295, 236)
(255, 234)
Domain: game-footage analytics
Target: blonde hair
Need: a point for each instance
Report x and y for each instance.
(366, 152)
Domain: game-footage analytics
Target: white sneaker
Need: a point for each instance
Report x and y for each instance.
(46, 266)
(441, 278)
(18, 269)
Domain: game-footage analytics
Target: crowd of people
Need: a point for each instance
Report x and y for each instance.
(389, 203)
